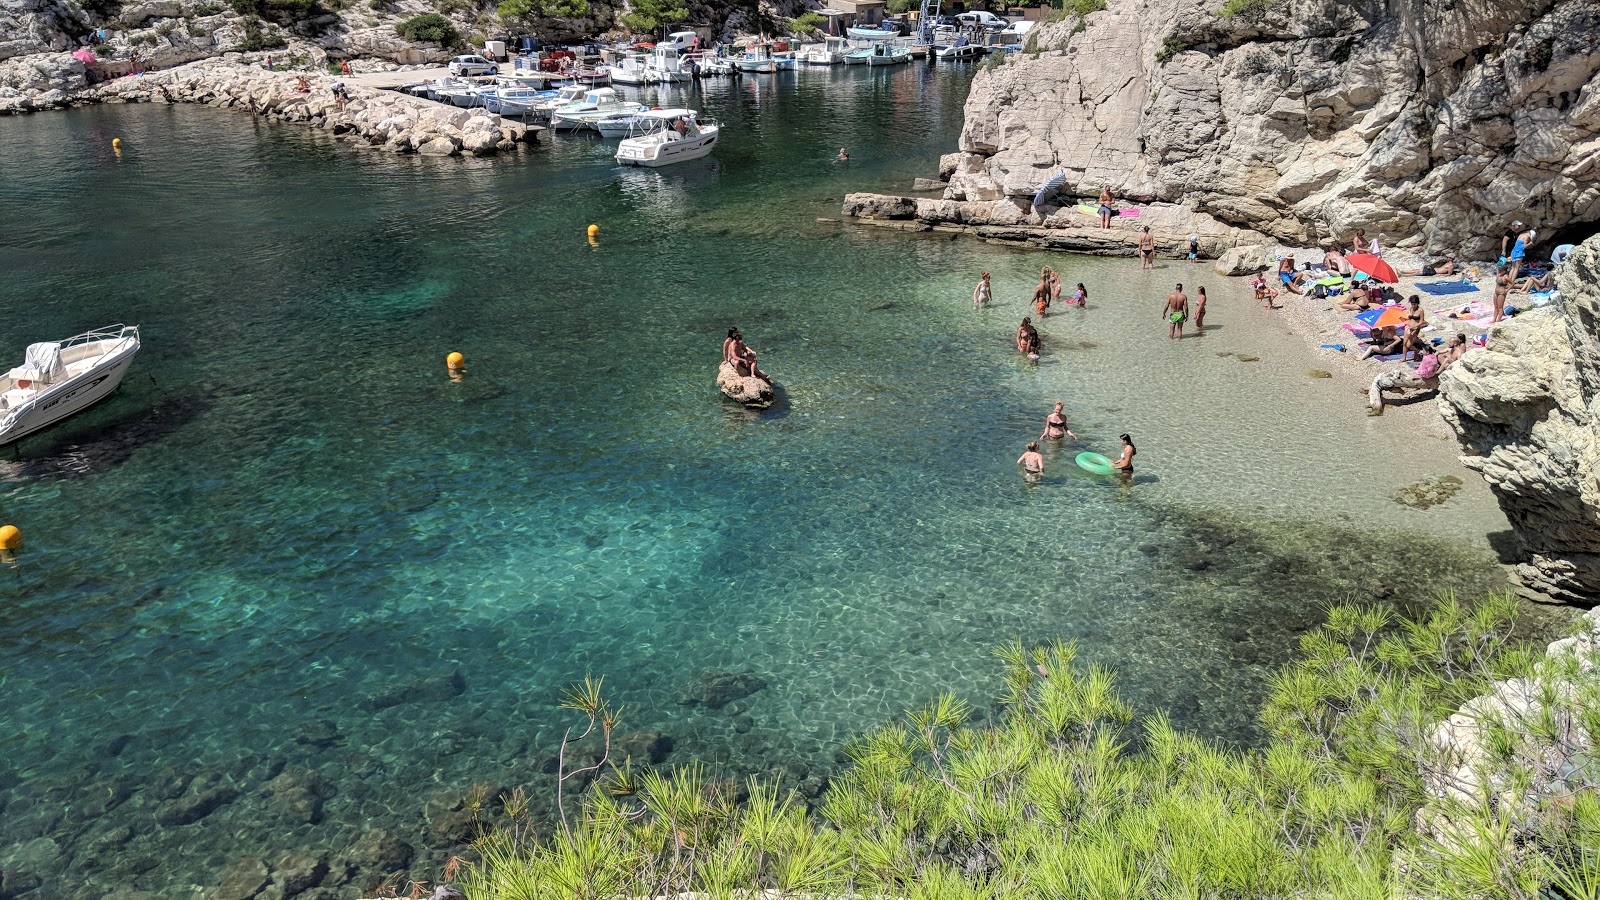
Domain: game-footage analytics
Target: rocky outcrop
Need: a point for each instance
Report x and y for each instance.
(40, 81)
(1527, 410)
(746, 389)
(37, 26)
(1431, 123)
(393, 121)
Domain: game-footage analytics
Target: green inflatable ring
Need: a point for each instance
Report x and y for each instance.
(1094, 462)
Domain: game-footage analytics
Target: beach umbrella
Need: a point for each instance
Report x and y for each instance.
(1560, 254)
(1376, 269)
(1050, 187)
(84, 55)
(1391, 315)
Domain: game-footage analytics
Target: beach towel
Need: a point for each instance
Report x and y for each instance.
(1086, 209)
(1478, 312)
(1446, 287)
(1128, 211)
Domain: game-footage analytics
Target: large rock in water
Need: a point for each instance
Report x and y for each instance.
(1430, 122)
(1527, 409)
(749, 390)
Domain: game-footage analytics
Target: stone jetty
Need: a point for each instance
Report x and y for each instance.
(393, 121)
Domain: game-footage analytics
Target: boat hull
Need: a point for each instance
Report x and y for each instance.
(665, 154)
(68, 398)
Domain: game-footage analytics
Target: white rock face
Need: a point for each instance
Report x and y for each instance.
(41, 79)
(36, 26)
(1432, 126)
(1527, 411)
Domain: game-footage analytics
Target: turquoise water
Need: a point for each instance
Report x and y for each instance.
(293, 585)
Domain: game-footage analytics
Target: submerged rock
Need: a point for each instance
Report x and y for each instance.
(243, 880)
(1527, 411)
(718, 689)
(428, 689)
(194, 805)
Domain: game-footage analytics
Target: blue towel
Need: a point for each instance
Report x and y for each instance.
(1447, 287)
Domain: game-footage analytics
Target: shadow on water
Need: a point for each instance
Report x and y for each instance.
(66, 453)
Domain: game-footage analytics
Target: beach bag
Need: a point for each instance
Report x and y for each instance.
(1429, 367)
(1320, 292)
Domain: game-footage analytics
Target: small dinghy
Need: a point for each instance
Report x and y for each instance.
(58, 379)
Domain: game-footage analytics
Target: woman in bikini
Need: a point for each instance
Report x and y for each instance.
(1124, 463)
(1022, 334)
(1055, 424)
(1081, 296)
(1502, 287)
(1032, 461)
(1147, 250)
(1055, 285)
(982, 294)
(1415, 322)
(728, 344)
(1200, 310)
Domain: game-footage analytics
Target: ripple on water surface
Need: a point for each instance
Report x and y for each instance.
(292, 585)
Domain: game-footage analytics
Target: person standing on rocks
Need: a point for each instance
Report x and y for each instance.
(1147, 250)
(1106, 203)
(1177, 309)
(1519, 251)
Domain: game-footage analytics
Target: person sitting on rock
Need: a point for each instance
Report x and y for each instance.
(745, 363)
(301, 85)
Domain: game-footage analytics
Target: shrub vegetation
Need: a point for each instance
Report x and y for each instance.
(1064, 796)
(429, 27)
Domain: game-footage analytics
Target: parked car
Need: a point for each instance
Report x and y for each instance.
(472, 65)
(982, 19)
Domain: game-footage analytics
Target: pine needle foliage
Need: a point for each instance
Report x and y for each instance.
(1064, 796)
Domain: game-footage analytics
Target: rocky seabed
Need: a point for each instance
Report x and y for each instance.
(396, 122)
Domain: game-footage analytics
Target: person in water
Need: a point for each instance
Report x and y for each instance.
(1105, 211)
(1041, 296)
(1124, 462)
(1033, 348)
(1031, 460)
(1080, 296)
(1022, 334)
(843, 156)
(983, 293)
(1055, 424)
(1200, 311)
(1055, 285)
(1147, 250)
(1175, 312)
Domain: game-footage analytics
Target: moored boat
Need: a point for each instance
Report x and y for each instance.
(597, 104)
(757, 58)
(871, 32)
(62, 378)
(828, 53)
(662, 137)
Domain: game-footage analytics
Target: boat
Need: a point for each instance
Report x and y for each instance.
(517, 101)
(828, 53)
(717, 64)
(58, 379)
(665, 65)
(961, 48)
(619, 124)
(857, 57)
(630, 68)
(757, 58)
(886, 54)
(597, 104)
(666, 136)
(872, 32)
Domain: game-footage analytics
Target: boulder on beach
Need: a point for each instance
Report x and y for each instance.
(746, 389)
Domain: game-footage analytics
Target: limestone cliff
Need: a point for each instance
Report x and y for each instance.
(1527, 410)
(1429, 122)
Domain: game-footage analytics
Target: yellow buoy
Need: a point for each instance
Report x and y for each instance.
(10, 537)
(594, 231)
(116, 143)
(455, 360)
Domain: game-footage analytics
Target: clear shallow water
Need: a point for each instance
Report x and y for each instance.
(258, 571)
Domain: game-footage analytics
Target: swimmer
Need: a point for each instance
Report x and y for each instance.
(1081, 296)
(1055, 424)
(1041, 297)
(1175, 312)
(1147, 250)
(983, 293)
(843, 156)
(1031, 461)
(1022, 334)
(1200, 311)
(1124, 463)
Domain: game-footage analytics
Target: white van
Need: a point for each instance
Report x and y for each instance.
(982, 19)
(681, 41)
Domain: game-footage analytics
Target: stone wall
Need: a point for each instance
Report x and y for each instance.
(1429, 122)
(1527, 411)
(386, 119)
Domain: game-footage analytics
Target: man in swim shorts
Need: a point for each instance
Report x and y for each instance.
(1176, 311)
(1105, 210)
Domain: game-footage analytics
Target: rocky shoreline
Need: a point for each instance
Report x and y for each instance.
(387, 119)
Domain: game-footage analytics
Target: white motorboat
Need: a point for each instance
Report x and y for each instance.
(757, 58)
(828, 53)
(60, 379)
(665, 65)
(872, 32)
(619, 124)
(516, 101)
(666, 136)
(886, 54)
(597, 104)
(630, 68)
(717, 64)
(440, 89)
(961, 48)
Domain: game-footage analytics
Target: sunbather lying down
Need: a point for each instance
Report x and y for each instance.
(1545, 282)
(1426, 375)
(1445, 265)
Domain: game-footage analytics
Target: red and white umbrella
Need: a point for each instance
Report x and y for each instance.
(1375, 268)
(84, 55)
